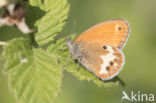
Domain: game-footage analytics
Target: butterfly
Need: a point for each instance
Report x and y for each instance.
(98, 49)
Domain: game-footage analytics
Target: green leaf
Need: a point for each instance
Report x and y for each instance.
(54, 20)
(60, 49)
(34, 75)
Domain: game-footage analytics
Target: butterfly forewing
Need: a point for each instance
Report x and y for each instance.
(114, 33)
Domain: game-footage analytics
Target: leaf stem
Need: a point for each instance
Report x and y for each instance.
(2, 43)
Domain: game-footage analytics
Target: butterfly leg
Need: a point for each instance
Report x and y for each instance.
(79, 61)
(78, 66)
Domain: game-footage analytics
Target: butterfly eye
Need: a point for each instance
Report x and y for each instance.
(104, 47)
(119, 28)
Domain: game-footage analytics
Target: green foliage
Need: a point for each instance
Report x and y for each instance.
(60, 49)
(34, 75)
(52, 23)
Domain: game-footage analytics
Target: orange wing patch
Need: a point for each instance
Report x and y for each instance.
(114, 33)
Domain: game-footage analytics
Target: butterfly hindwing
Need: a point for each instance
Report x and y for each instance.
(113, 62)
(105, 62)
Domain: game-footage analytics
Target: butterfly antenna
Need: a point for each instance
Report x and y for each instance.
(74, 27)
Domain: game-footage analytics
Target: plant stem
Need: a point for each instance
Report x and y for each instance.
(122, 83)
(3, 43)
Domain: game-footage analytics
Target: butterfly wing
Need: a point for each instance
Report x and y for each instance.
(114, 33)
(105, 63)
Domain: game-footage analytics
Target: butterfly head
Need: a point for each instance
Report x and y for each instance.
(74, 48)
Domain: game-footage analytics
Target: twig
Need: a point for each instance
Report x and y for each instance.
(122, 83)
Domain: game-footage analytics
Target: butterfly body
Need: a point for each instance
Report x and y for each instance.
(99, 49)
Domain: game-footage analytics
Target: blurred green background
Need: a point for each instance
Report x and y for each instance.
(139, 72)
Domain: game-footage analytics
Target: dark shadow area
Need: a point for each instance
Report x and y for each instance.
(33, 14)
